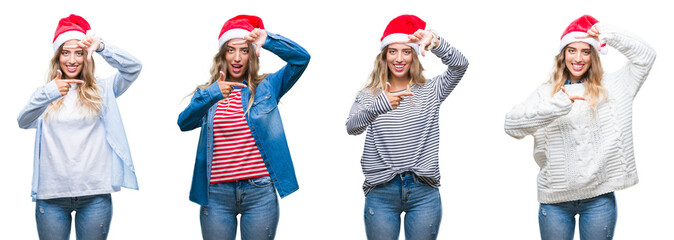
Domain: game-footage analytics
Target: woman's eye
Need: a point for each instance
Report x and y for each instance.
(408, 52)
(80, 53)
(244, 50)
(586, 52)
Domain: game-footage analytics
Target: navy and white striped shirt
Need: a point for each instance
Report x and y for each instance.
(407, 138)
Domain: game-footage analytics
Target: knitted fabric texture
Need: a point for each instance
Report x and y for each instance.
(583, 154)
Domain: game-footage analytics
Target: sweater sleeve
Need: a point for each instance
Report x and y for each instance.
(128, 68)
(539, 110)
(38, 103)
(365, 110)
(457, 65)
(640, 56)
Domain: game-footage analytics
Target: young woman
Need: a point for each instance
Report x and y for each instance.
(81, 151)
(400, 109)
(243, 157)
(582, 128)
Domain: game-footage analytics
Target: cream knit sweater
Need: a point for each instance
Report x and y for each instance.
(582, 154)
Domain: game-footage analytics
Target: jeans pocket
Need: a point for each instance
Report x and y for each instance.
(260, 182)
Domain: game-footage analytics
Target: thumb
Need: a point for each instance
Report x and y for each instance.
(58, 74)
(388, 87)
(222, 76)
(257, 50)
(89, 55)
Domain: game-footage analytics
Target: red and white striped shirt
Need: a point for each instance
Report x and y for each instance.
(235, 154)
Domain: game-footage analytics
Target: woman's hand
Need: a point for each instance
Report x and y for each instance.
(395, 98)
(226, 87)
(572, 98)
(91, 43)
(592, 33)
(63, 85)
(257, 37)
(423, 38)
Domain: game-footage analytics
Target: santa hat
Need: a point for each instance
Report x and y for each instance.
(239, 27)
(399, 28)
(71, 27)
(578, 28)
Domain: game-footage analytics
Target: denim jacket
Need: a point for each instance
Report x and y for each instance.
(128, 68)
(263, 118)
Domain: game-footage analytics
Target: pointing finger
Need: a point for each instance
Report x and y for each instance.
(238, 41)
(583, 37)
(71, 47)
(236, 84)
(402, 94)
(74, 81)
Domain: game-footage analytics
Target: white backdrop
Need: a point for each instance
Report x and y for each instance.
(489, 189)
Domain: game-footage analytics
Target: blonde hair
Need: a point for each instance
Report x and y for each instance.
(380, 73)
(594, 91)
(251, 72)
(90, 100)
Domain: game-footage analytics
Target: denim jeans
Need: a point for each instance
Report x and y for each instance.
(405, 193)
(92, 217)
(597, 219)
(255, 199)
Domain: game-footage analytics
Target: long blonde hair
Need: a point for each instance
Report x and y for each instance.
(90, 100)
(251, 72)
(594, 91)
(380, 73)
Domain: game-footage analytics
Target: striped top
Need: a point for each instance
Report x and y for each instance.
(407, 138)
(235, 155)
(582, 153)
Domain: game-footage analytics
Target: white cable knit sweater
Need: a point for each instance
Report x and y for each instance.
(581, 154)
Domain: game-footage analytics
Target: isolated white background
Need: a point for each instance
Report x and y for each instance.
(488, 179)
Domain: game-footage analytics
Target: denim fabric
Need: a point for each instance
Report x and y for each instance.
(128, 68)
(597, 218)
(92, 217)
(255, 199)
(405, 193)
(264, 120)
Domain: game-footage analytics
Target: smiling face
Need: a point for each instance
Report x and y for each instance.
(236, 59)
(71, 60)
(399, 59)
(577, 58)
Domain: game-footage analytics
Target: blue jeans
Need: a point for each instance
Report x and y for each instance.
(255, 199)
(405, 193)
(597, 219)
(92, 217)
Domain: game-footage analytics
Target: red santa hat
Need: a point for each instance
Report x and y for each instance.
(399, 28)
(578, 28)
(71, 27)
(239, 27)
